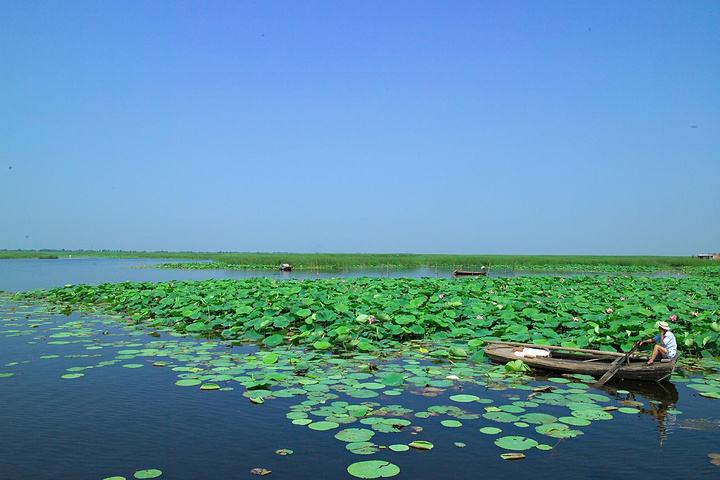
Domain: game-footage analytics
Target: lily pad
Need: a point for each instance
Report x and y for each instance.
(146, 474)
(575, 421)
(514, 442)
(490, 430)
(323, 426)
(629, 410)
(421, 445)
(373, 469)
(355, 435)
(451, 423)
(188, 382)
(463, 398)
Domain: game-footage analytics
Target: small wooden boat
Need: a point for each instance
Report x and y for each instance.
(285, 267)
(468, 273)
(580, 360)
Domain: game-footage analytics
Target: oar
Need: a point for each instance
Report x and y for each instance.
(615, 366)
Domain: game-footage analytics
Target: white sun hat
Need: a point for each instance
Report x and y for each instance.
(663, 325)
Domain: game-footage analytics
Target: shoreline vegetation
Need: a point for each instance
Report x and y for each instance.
(352, 261)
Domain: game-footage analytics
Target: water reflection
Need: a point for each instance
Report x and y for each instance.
(662, 400)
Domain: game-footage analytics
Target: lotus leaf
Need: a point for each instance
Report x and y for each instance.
(373, 469)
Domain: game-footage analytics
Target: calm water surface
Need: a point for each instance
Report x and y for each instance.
(30, 274)
(116, 420)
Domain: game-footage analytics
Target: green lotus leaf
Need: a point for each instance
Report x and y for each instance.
(514, 442)
(355, 435)
(373, 469)
(146, 474)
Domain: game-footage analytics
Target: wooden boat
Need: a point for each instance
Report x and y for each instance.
(285, 267)
(467, 273)
(582, 360)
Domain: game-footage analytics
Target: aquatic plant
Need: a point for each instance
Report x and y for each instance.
(609, 313)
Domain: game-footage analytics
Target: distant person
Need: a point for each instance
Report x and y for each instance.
(665, 343)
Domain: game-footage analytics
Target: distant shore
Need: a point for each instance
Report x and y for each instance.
(373, 260)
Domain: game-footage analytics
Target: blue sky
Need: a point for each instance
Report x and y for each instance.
(449, 127)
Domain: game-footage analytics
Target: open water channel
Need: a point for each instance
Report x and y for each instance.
(120, 411)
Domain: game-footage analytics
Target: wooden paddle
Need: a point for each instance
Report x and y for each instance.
(615, 366)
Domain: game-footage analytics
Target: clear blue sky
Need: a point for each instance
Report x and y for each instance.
(374, 126)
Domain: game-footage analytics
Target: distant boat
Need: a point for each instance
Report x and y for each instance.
(579, 360)
(285, 267)
(468, 273)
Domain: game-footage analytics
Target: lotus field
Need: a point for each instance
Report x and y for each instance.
(453, 317)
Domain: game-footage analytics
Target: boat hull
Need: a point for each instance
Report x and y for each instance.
(464, 273)
(637, 369)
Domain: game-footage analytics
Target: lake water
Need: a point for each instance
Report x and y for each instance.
(115, 420)
(30, 274)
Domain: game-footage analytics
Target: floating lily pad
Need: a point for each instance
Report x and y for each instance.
(464, 398)
(373, 469)
(270, 358)
(451, 423)
(188, 382)
(399, 447)
(490, 430)
(558, 380)
(713, 395)
(557, 430)
(322, 426)
(355, 435)
(537, 418)
(361, 448)
(502, 417)
(421, 445)
(629, 410)
(514, 442)
(592, 414)
(393, 379)
(575, 421)
(146, 474)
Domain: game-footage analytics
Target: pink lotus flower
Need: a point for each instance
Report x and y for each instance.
(622, 299)
(609, 310)
(672, 318)
(575, 319)
(694, 314)
(371, 319)
(441, 296)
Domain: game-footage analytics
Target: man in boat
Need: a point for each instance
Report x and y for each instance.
(665, 343)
